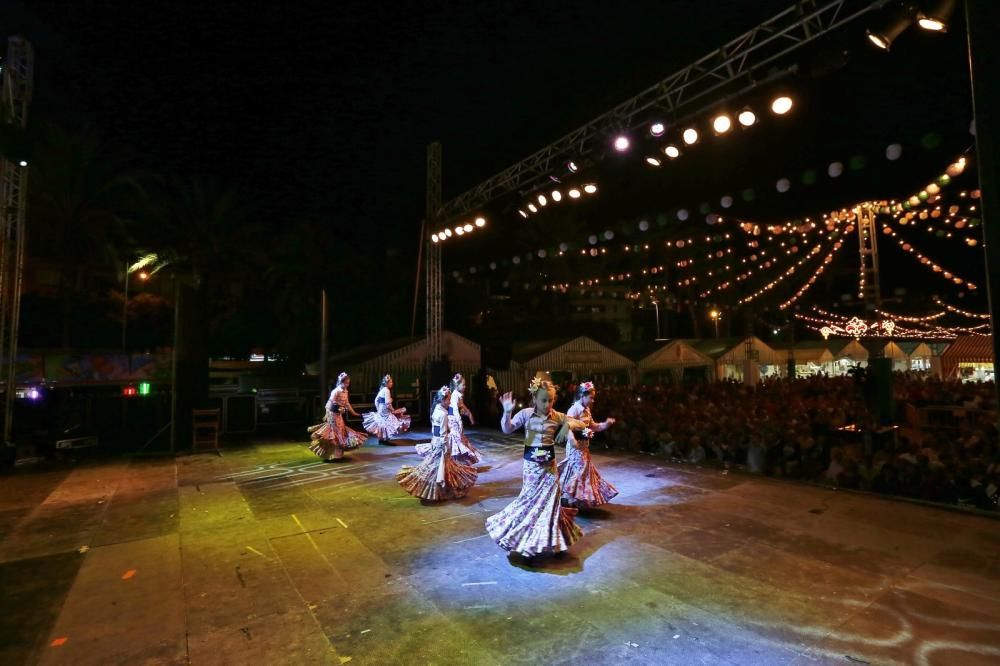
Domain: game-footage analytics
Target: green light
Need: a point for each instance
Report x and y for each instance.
(144, 388)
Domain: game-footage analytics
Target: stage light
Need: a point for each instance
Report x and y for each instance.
(574, 193)
(657, 129)
(894, 26)
(532, 208)
(781, 105)
(690, 136)
(23, 163)
(522, 213)
(621, 143)
(572, 167)
(459, 230)
(747, 117)
(652, 161)
(468, 228)
(936, 17)
(556, 196)
(590, 188)
(434, 238)
(542, 200)
(672, 152)
(722, 124)
(480, 222)
(447, 232)
(33, 394)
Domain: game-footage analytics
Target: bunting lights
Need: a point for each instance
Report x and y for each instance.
(460, 230)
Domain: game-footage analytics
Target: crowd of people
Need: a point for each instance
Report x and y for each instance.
(820, 429)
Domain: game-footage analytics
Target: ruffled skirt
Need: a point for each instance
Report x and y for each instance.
(535, 523)
(438, 476)
(579, 479)
(332, 437)
(461, 448)
(385, 427)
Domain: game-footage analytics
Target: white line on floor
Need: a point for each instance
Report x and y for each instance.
(488, 582)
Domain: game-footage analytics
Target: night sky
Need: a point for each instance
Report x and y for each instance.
(322, 111)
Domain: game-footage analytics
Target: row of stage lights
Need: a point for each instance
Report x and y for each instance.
(460, 230)
(542, 199)
(721, 124)
(933, 17)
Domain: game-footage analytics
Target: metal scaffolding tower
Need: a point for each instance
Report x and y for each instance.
(17, 74)
(869, 289)
(432, 252)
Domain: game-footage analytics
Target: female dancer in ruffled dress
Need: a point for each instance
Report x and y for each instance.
(461, 447)
(535, 523)
(332, 437)
(581, 484)
(386, 421)
(438, 476)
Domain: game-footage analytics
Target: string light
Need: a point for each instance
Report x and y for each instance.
(819, 271)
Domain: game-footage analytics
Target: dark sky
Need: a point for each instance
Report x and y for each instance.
(323, 110)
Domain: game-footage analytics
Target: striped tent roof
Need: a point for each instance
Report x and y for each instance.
(970, 349)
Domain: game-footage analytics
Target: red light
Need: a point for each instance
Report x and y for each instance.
(129, 391)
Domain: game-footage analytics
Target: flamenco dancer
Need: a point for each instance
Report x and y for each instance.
(461, 447)
(439, 476)
(386, 421)
(582, 485)
(535, 523)
(332, 437)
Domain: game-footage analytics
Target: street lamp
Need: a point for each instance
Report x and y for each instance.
(139, 267)
(715, 315)
(656, 304)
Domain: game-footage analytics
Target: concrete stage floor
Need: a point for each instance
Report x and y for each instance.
(267, 556)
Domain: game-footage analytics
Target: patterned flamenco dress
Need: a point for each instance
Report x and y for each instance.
(384, 423)
(332, 437)
(461, 448)
(439, 476)
(535, 523)
(579, 479)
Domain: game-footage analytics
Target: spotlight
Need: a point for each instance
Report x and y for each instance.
(447, 232)
(434, 238)
(936, 17)
(459, 230)
(690, 136)
(522, 213)
(542, 200)
(532, 208)
(621, 143)
(747, 117)
(590, 188)
(24, 163)
(556, 196)
(895, 25)
(574, 193)
(652, 161)
(781, 105)
(657, 129)
(480, 222)
(722, 124)
(572, 167)
(672, 151)
(468, 228)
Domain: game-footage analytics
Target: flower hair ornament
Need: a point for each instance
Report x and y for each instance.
(535, 385)
(585, 387)
(386, 379)
(341, 377)
(443, 392)
(457, 378)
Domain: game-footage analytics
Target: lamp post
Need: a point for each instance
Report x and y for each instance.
(656, 305)
(715, 315)
(143, 275)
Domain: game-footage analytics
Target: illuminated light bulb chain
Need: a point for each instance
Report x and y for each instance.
(909, 318)
(812, 280)
(927, 261)
(815, 251)
(959, 311)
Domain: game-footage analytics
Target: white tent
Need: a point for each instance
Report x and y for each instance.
(674, 357)
(731, 362)
(579, 358)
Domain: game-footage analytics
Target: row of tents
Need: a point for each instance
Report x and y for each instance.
(743, 359)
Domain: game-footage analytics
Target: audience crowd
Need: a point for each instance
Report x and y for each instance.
(820, 429)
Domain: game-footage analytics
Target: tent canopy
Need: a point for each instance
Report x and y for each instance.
(849, 349)
(675, 354)
(733, 350)
(580, 354)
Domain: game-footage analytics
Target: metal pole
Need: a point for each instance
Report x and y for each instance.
(657, 306)
(416, 281)
(125, 312)
(173, 368)
(981, 19)
(324, 310)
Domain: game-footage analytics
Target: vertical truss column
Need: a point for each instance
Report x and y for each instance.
(18, 75)
(435, 296)
(869, 289)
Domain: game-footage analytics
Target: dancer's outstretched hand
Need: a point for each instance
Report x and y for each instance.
(507, 401)
(610, 420)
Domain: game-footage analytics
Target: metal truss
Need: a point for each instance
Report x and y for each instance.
(18, 75)
(730, 70)
(869, 288)
(435, 291)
